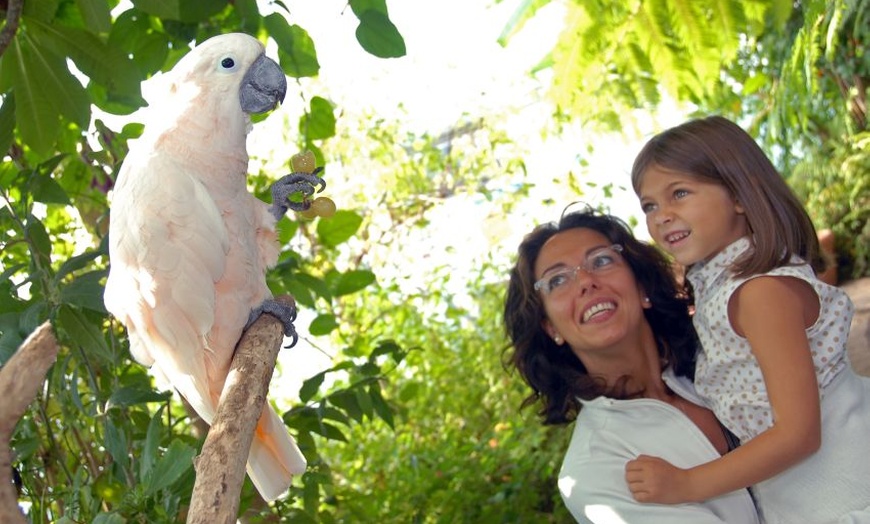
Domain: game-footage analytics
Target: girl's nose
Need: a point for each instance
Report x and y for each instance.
(662, 216)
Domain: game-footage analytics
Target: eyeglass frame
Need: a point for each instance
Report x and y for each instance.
(540, 284)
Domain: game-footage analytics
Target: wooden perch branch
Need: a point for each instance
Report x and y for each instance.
(220, 467)
(20, 380)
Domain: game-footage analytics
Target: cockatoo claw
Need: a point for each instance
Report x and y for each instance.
(283, 311)
(303, 183)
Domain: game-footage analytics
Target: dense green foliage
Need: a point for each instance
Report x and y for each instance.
(415, 420)
(795, 74)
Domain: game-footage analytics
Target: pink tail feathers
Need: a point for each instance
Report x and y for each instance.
(274, 456)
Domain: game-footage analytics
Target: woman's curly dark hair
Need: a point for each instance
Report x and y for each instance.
(555, 374)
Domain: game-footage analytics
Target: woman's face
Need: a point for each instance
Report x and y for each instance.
(601, 307)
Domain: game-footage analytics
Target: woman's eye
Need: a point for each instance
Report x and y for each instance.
(600, 261)
(557, 280)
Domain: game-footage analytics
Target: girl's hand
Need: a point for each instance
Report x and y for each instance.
(651, 479)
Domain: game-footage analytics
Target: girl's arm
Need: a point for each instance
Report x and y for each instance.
(773, 314)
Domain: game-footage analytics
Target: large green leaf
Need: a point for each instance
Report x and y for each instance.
(296, 52)
(96, 15)
(127, 396)
(106, 65)
(319, 122)
(323, 325)
(177, 460)
(45, 90)
(85, 291)
(83, 332)
(133, 34)
(7, 121)
(352, 281)
(377, 35)
(181, 10)
(339, 228)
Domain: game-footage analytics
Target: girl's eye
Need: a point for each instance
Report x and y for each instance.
(647, 207)
(680, 193)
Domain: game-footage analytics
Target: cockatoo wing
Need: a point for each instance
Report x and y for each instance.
(168, 249)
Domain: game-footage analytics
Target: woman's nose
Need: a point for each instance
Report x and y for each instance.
(584, 280)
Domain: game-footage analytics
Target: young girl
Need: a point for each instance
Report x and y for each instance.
(774, 367)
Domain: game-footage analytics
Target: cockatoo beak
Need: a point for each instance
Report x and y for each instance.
(263, 86)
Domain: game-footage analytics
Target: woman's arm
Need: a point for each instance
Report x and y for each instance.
(773, 314)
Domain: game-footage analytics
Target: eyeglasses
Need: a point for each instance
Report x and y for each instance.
(598, 261)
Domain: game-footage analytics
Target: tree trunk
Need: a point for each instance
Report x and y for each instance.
(20, 381)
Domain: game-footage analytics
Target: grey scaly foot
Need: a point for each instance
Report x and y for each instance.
(283, 311)
(304, 183)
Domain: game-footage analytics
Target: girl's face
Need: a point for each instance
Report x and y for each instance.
(598, 306)
(690, 218)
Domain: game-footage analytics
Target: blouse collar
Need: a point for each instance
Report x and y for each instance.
(703, 274)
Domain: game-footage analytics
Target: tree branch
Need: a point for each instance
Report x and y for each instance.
(220, 467)
(20, 380)
(13, 17)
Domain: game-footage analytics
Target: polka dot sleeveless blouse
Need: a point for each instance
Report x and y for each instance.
(727, 375)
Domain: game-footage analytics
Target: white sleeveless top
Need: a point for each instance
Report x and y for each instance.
(832, 485)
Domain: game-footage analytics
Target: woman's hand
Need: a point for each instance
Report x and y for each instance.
(651, 479)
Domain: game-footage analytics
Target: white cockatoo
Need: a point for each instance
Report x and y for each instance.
(190, 245)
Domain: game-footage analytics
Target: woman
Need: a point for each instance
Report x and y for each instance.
(601, 333)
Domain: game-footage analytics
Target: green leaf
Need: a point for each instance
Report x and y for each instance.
(377, 35)
(181, 10)
(152, 444)
(361, 6)
(329, 431)
(286, 230)
(353, 281)
(317, 285)
(106, 65)
(85, 291)
(177, 460)
(338, 229)
(380, 405)
(45, 189)
(296, 52)
(347, 400)
(323, 325)
(38, 238)
(7, 122)
(115, 442)
(44, 90)
(365, 401)
(77, 262)
(132, 34)
(127, 396)
(319, 122)
(96, 15)
(310, 386)
(84, 333)
(109, 518)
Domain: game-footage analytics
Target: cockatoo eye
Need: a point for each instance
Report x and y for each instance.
(228, 63)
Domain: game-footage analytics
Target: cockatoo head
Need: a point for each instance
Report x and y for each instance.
(227, 77)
